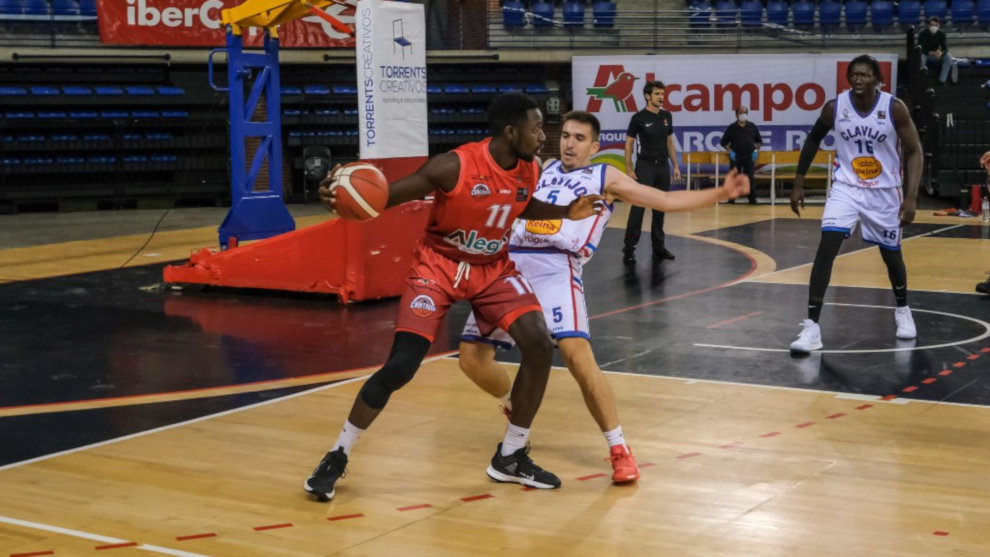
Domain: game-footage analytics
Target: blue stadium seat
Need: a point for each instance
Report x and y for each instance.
(114, 113)
(777, 12)
(962, 12)
(168, 91)
(510, 88)
(856, 14)
(65, 137)
(289, 90)
(935, 8)
(909, 13)
(513, 14)
(144, 114)
(10, 7)
(9, 161)
(699, 14)
(829, 15)
(87, 8)
(484, 89)
(77, 91)
(751, 13)
(804, 14)
(535, 89)
(456, 89)
(83, 114)
(51, 114)
(433, 89)
(36, 7)
(603, 13)
(19, 114)
(175, 114)
(542, 13)
(983, 13)
(882, 14)
(44, 91)
(725, 13)
(8, 91)
(573, 13)
(316, 90)
(139, 91)
(66, 7)
(344, 90)
(105, 90)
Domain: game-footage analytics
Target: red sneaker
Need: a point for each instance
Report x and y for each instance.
(624, 467)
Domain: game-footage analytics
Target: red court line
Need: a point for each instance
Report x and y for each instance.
(910, 389)
(345, 516)
(805, 424)
(115, 546)
(527, 488)
(734, 319)
(864, 406)
(972, 356)
(945, 372)
(959, 364)
(731, 445)
(929, 381)
(477, 497)
(48, 552)
(195, 537)
(647, 464)
(414, 507)
(836, 415)
(272, 527)
(985, 349)
(591, 477)
(940, 533)
(688, 455)
(752, 269)
(888, 397)
(770, 434)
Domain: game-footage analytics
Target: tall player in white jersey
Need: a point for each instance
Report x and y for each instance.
(871, 130)
(550, 255)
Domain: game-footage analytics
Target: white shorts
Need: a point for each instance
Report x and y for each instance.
(556, 279)
(877, 208)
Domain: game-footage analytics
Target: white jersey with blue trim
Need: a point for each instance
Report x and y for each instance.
(579, 238)
(867, 153)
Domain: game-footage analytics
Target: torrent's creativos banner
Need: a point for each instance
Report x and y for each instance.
(197, 23)
(391, 79)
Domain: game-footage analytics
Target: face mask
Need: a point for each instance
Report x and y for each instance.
(742, 117)
(933, 28)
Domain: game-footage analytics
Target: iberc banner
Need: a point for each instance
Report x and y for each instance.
(390, 38)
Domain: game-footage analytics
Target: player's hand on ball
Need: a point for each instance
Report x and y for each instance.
(326, 190)
(585, 206)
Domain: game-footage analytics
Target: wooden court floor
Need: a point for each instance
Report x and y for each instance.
(197, 444)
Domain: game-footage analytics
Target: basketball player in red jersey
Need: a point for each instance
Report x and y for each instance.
(479, 188)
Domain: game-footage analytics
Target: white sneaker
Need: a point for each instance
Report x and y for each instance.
(810, 338)
(905, 323)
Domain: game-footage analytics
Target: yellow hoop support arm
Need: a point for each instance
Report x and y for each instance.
(272, 13)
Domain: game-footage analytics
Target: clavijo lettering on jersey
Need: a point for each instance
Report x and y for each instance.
(470, 242)
(866, 132)
(575, 185)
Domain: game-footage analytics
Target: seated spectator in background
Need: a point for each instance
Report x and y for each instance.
(742, 140)
(935, 51)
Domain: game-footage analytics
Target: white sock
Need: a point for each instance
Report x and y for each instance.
(515, 439)
(348, 436)
(614, 437)
(506, 403)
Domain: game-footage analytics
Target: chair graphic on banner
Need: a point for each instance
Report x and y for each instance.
(398, 38)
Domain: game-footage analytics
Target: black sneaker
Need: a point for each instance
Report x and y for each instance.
(984, 287)
(520, 469)
(628, 258)
(663, 253)
(331, 468)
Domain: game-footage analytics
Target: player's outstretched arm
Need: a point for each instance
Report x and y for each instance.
(581, 208)
(621, 186)
(808, 152)
(913, 159)
(440, 172)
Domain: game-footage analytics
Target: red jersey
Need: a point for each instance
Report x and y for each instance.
(473, 222)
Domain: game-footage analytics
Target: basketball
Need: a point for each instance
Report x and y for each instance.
(361, 190)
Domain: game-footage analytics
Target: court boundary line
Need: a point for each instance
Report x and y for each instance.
(96, 537)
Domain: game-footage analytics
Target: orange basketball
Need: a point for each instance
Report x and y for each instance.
(362, 191)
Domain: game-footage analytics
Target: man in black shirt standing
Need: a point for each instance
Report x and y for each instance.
(654, 128)
(743, 141)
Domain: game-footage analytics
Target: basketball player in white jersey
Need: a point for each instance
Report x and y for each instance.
(871, 129)
(550, 255)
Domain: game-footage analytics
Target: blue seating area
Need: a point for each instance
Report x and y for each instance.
(544, 14)
(830, 16)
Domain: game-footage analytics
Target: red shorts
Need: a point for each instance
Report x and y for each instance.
(496, 290)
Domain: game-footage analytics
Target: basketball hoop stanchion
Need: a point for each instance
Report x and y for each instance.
(354, 260)
(257, 213)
